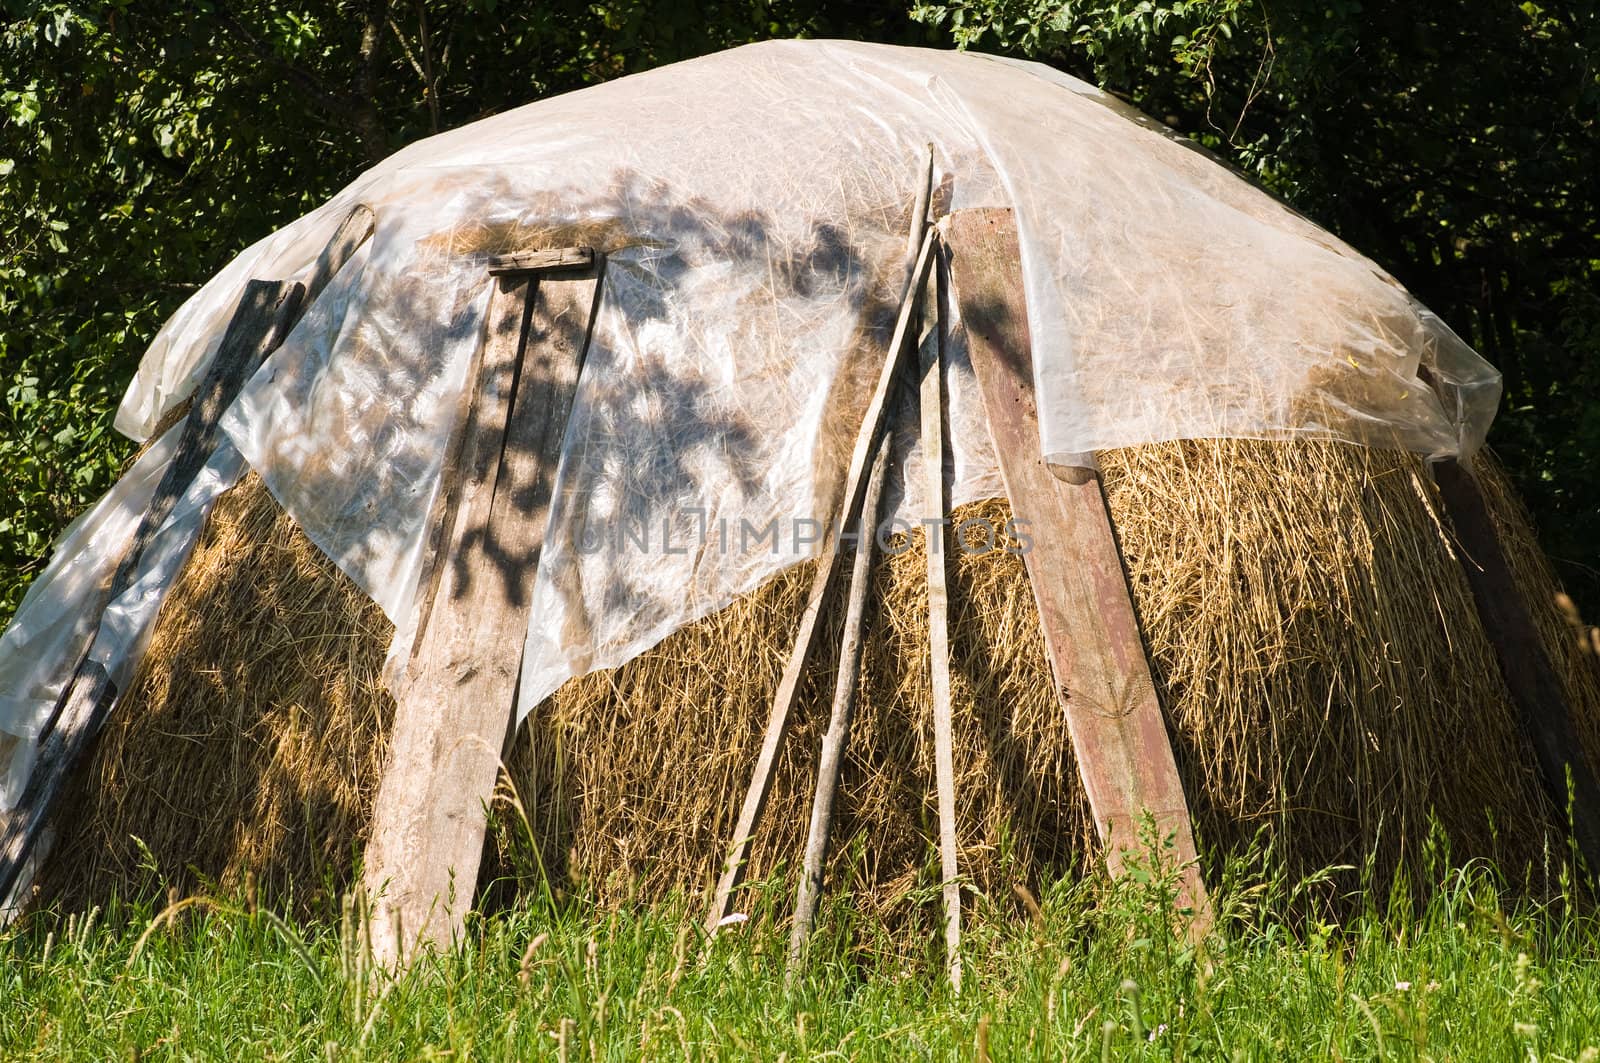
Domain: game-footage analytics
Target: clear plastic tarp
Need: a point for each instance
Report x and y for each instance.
(753, 208)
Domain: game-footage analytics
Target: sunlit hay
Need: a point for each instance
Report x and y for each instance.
(1323, 669)
(249, 743)
(1573, 645)
(1314, 640)
(632, 779)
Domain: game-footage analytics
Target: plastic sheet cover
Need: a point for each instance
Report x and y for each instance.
(753, 208)
(65, 611)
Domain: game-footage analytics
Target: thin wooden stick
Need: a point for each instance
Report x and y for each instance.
(836, 740)
(755, 799)
(834, 743)
(939, 635)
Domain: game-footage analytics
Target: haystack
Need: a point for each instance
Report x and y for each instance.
(1329, 689)
(315, 609)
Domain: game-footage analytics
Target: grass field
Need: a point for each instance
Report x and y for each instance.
(1089, 971)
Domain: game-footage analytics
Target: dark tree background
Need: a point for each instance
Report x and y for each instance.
(143, 144)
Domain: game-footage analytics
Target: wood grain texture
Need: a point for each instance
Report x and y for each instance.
(1536, 690)
(456, 704)
(263, 317)
(777, 728)
(350, 235)
(1092, 635)
(545, 260)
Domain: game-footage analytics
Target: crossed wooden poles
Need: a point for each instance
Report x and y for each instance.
(455, 705)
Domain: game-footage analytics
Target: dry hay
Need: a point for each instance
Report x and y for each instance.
(250, 740)
(1323, 670)
(633, 778)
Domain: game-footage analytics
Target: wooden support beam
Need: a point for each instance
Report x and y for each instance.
(932, 408)
(1536, 690)
(264, 316)
(548, 260)
(1091, 632)
(456, 705)
(755, 799)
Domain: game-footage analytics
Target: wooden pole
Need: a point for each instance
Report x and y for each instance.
(755, 799)
(836, 740)
(834, 743)
(932, 407)
(1075, 567)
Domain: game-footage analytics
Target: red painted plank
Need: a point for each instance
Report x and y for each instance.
(1092, 635)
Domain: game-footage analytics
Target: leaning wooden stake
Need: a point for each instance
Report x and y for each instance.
(1091, 633)
(932, 406)
(834, 743)
(755, 799)
(263, 318)
(455, 707)
(1536, 689)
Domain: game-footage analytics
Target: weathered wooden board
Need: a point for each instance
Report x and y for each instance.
(542, 261)
(350, 235)
(777, 729)
(1536, 690)
(456, 704)
(1091, 632)
(265, 314)
(447, 496)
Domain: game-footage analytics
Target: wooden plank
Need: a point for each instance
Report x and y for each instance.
(456, 704)
(834, 743)
(1091, 632)
(264, 315)
(755, 799)
(446, 495)
(932, 410)
(545, 260)
(1536, 690)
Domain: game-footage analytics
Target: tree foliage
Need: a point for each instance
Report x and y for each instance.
(146, 143)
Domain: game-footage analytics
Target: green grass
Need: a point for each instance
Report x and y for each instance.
(1097, 973)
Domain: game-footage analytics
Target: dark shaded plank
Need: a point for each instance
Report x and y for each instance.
(755, 799)
(546, 260)
(456, 704)
(264, 316)
(266, 313)
(350, 235)
(1091, 632)
(1536, 690)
